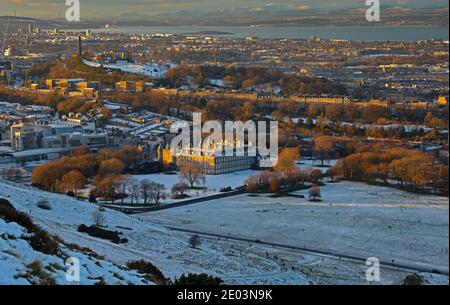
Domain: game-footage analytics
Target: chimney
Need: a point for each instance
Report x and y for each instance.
(80, 47)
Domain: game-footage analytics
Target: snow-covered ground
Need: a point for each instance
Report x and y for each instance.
(316, 164)
(153, 70)
(235, 262)
(353, 219)
(213, 185)
(16, 255)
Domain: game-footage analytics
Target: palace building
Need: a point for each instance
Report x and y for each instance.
(213, 161)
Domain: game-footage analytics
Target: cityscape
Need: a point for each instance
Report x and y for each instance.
(181, 153)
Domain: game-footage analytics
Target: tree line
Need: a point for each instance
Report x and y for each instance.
(71, 172)
(408, 169)
(239, 78)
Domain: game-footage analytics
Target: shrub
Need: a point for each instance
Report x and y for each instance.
(179, 190)
(44, 205)
(413, 279)
(113, 236)
(10, 214)
(226, 189)
(198, 279)
(5, 203)
(101, 281)
(85, 250)
(39, 240)
(42, 241)
(92, 198)
(242, 188)
(150, 271)
(35, 270)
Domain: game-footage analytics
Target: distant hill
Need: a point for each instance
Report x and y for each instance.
(344, 17)
(15, 23)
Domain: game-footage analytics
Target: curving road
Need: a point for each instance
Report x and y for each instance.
(326, 253)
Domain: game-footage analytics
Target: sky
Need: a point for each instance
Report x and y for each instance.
(113, 8)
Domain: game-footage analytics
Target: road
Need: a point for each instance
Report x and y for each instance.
(325, 253)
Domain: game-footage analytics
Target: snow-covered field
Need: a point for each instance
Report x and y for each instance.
(235, 262)
(316, 164)
(153, 70)
(213, 183)
(216, 182)
(353, 219)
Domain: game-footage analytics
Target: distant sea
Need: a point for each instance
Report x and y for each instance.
(356, 33)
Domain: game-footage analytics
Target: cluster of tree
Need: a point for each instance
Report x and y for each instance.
(138, 192)
(326, 147)
(70, 172)
(30, 98)
(62, 104)
(149, 100)
(13, 173)
(74, 67)
(163, 53)
(401, 133)
(77, 105)
(372, 114)
(421, 59)
(285, 175)
(410, 169)
(248, 77)
(349, 121)
(433, 121)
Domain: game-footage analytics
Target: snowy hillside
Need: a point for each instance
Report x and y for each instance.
(22, 265)
(235, 262)
(168, 250)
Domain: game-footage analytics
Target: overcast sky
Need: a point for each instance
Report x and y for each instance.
(111, 8)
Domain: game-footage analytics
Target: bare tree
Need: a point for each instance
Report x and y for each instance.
(314, 192)
(134, 191)
(98, 218)
(157, 192)
(12, 173)
(146, 186)
(192, 172)
(195, 241)
(124, 186)
(179, 189)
